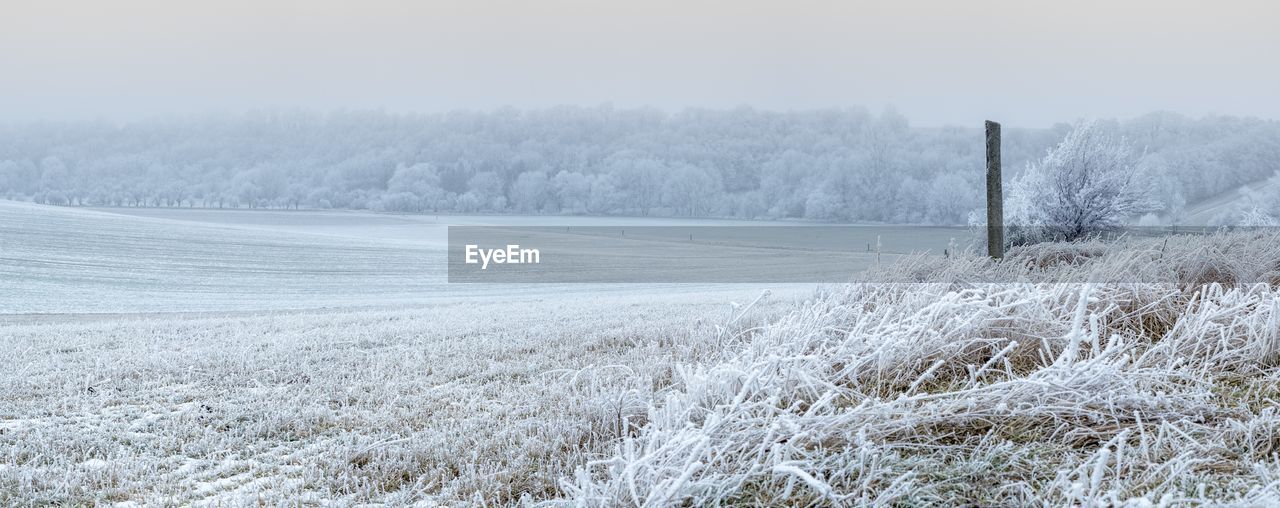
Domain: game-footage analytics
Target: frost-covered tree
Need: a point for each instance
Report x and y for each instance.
(1085, 186)
(530, 191)
(416, 188)
(1258, 207)
(848, 163)
(605, 196)
(824, 204)
(11, 177)
(1256, 218)
(950, 197)
(783, 182)
(53, 175)
(572, 190)
(691, 190)
(486, 189)
(1267, 197)
(640, 180)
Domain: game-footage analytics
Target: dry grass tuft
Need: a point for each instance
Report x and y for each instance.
(1048, 391)
(1048, 255)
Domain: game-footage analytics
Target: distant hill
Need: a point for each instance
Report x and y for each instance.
(1203, 213)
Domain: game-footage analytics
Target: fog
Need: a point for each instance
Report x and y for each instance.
(938, 62)
(829, 165)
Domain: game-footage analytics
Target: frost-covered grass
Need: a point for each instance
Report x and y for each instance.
(936, 387)
(452, 403)
(959, 392)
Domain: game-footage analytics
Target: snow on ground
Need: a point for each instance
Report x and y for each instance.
(941, 390)
(202, 357)
(449, 402)
(57, 260)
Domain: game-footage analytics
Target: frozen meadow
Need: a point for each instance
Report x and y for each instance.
(353, 375)
(281, 296)
(452, 403)
(56, 260)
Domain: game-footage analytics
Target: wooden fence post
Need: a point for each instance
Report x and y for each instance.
(995, 194)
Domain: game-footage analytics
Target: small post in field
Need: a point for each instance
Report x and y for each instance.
(995, 194)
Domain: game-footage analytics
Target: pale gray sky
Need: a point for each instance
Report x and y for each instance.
(1026, 62)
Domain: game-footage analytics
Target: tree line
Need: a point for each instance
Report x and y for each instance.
(836, 165)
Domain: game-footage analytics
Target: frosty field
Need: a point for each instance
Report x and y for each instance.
(459, 402)
(500, 253)
(62, 260)
(318, 358)
(181, 356)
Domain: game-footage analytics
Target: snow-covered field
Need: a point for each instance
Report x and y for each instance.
(56, 260)
(933, 388)
(181, 356)
(452, 402)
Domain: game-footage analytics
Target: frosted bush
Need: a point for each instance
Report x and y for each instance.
(1086, 186)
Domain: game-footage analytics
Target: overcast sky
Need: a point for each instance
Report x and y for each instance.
(1026, 62)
